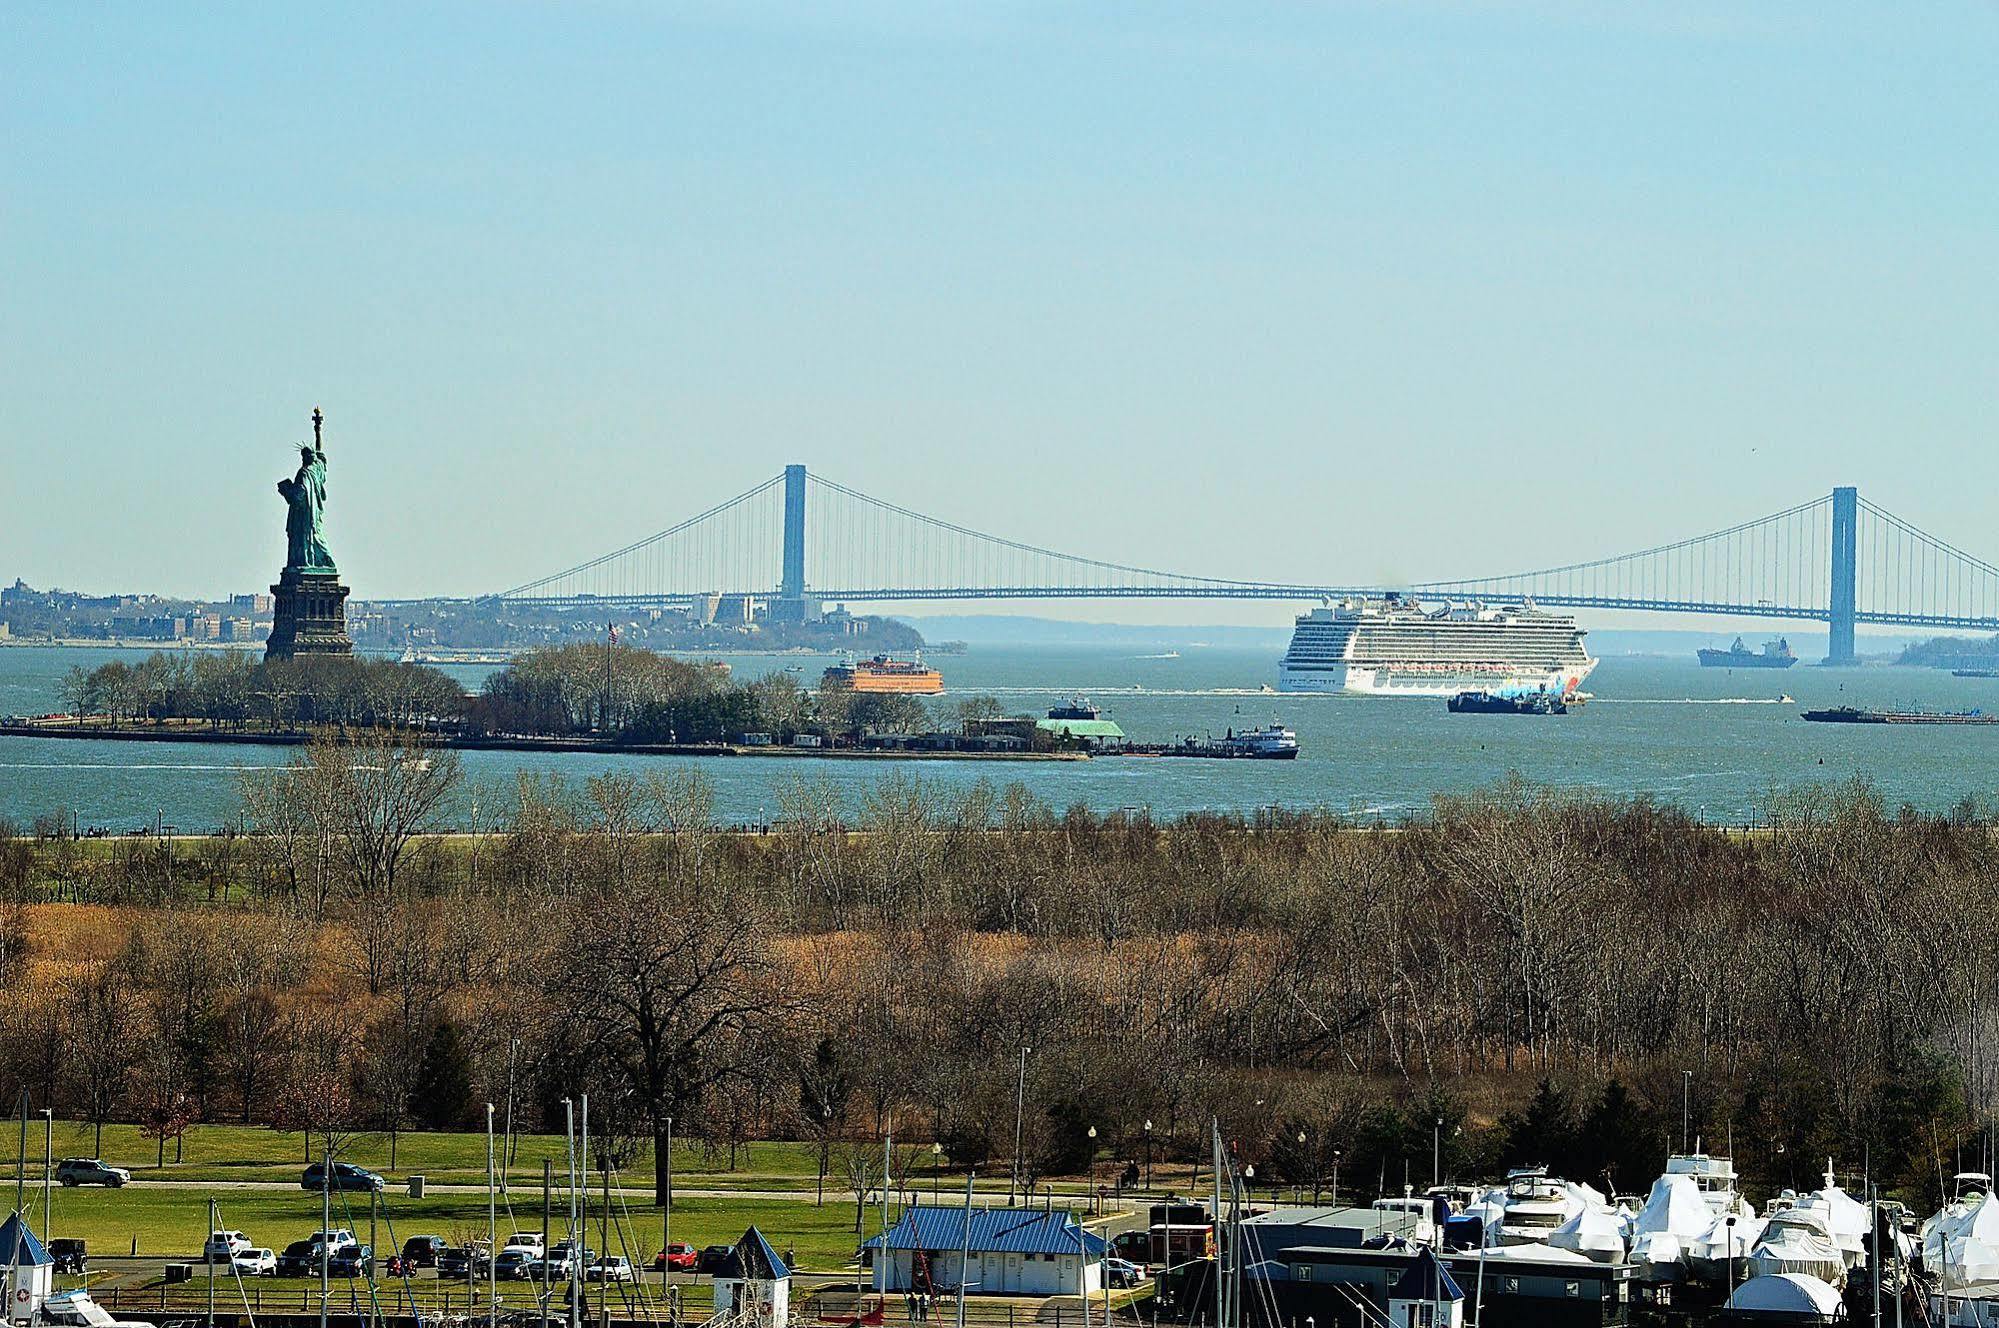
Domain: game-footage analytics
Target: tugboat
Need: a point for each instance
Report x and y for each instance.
(1774, 655)
(1508, 703)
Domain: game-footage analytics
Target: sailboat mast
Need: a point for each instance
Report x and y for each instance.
(492, 1230)
(1221, 1242)
(965, 1249)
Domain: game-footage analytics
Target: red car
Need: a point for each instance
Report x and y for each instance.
(677, 1256)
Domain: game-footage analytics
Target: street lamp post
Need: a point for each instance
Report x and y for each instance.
(1019, 1103)
(1092, 1174)
(1315, 1170)
(1437, 1152)
(1336, 1178)
(1686, 1106)
(48, 1161)
(1148, 1152)
(936, 1170)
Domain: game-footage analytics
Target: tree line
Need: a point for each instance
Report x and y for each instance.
(1523, 975)
(618, 692)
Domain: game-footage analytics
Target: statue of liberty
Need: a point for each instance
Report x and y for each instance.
(305, 516)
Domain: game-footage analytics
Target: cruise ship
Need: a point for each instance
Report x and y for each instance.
(1394, 646)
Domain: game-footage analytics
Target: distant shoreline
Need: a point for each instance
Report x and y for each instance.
(514, 743)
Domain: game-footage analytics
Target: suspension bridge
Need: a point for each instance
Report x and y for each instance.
(1837, 559)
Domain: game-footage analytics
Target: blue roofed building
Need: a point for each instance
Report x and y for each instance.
(27, 1268)
(1012, 1251)
(753, 1286)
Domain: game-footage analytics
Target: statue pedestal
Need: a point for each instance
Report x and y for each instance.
(308, 615)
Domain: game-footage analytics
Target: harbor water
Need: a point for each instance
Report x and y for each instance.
(1715, 742)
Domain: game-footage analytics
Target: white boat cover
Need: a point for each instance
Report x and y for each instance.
(1587, 1196)
(1794, 1297)
(1798, 1241)
(1710, 1253)
(1845, 1217)
(1596, 1233)
(1674, 1215)
(1490, 1209)
(1961, 1246)
(1501, 1255)
(1674, 1207)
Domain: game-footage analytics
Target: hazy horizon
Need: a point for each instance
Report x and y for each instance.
(1367, 292)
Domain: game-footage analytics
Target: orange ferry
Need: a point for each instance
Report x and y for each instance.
(883, 674)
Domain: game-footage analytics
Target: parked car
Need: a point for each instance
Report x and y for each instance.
(255, 1262)
(90, 1171)
(611, 1268)
(712, 1257)
(423, 1251)
(462, 1261)
(679, 1256)
(1122, 1273)
(300, 1259)
(559, 1263)
(351, 1261)
(69, 1255)
(515, 1262)
(336, 1237)
(528, 1240)
(223, 1246)
(346, 1176)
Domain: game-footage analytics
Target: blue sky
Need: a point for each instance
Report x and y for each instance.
(1347, 291)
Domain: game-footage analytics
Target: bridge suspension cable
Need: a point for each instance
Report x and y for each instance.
(673, 563)
(1773, 565)
(863, 547)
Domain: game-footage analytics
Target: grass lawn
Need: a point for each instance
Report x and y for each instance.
(173, 1223)
(254, 1153)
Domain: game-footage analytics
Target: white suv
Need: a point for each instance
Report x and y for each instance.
(224, 1246)
(256, 1263)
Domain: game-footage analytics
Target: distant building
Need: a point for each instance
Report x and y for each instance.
(1014, 728)
(1013, 1251)
(1093, 734)
(254, 605)
(753, 1286)
(135, 627)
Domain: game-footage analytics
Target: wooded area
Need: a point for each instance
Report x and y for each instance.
(1533, 970)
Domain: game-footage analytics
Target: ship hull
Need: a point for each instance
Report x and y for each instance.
(877, 685)
(1723, 659)
(1354, 680)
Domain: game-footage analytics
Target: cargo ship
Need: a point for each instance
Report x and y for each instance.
(1393, 646)
(881, 673)
(1855, 715)
(1774, 655)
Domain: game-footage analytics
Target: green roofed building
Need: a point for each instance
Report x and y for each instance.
(1090, 733)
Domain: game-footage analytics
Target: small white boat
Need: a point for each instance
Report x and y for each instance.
(1798, 1240)
(1961, 1244)
(1536, 1206)
(1786, 1298)
(1596, 1233)
(1674, 1216)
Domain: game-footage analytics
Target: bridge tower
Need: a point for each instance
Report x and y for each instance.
(791, 605)
(1845, 546)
